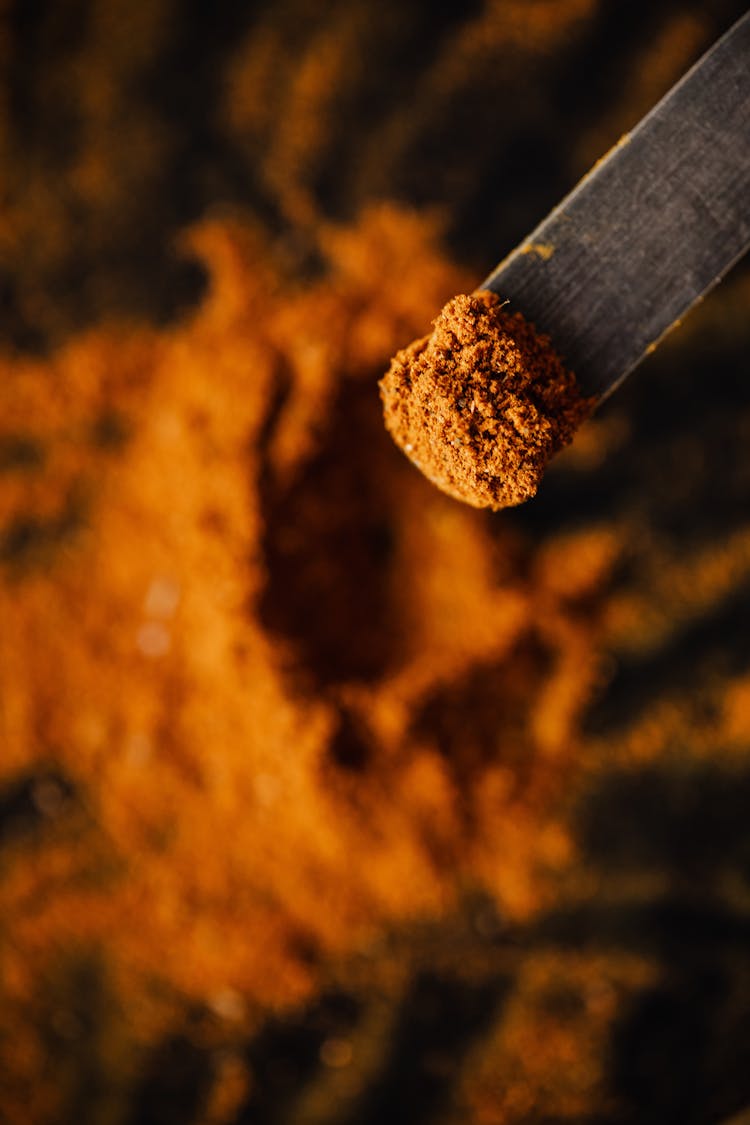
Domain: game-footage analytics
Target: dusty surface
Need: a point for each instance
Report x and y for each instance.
(482, 403)
(325, 798)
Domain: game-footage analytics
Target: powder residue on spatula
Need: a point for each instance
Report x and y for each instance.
(482, 404)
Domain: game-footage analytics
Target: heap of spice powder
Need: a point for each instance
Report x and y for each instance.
(265, 690)
(482, 404)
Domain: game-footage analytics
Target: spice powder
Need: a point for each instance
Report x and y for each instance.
(483, 403)
(300, 760)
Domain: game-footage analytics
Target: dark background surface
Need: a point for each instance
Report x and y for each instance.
(493, 150)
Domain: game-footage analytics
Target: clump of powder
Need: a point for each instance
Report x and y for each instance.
(482, 404)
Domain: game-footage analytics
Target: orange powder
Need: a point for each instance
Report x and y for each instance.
(236, 645)
(293, 748)
(482, 403)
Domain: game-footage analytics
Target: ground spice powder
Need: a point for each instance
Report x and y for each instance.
(483, 403)
(301, 761)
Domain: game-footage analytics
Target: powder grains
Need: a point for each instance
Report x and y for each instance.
(269, 693)
(482, 404)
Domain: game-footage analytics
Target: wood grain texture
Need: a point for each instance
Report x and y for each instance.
(649, 231)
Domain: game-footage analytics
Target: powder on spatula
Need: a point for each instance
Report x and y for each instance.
(483, 403)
